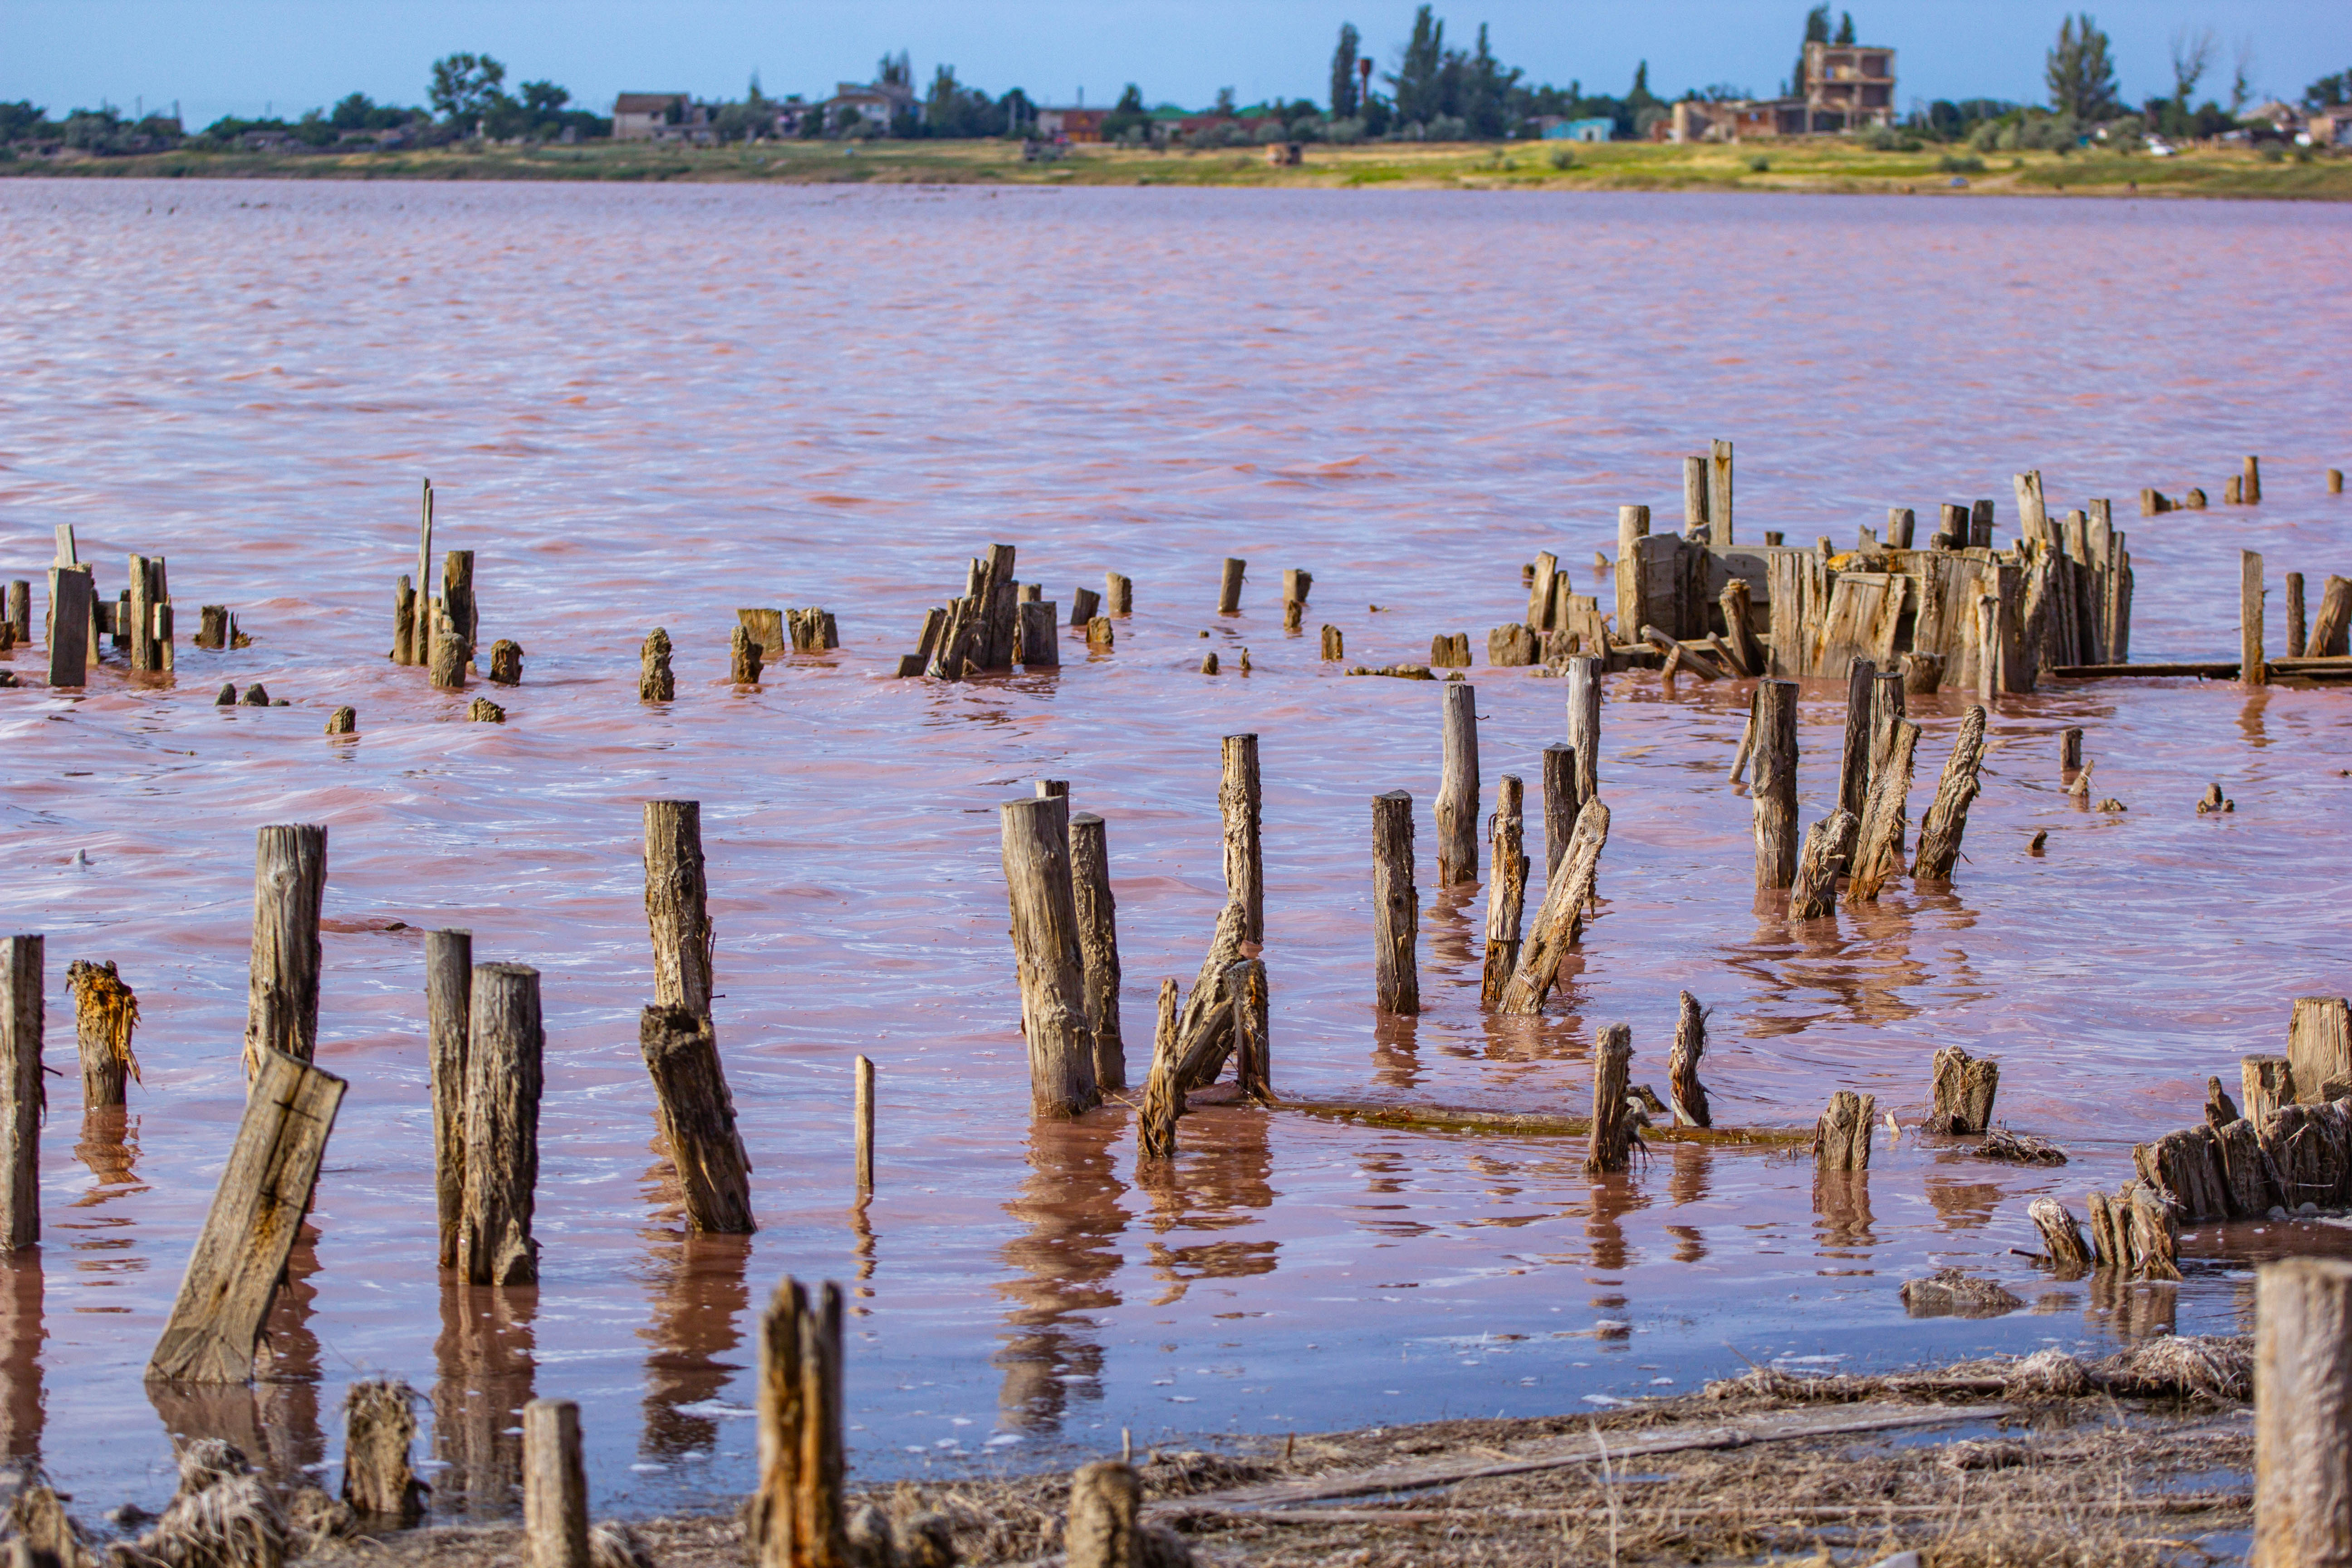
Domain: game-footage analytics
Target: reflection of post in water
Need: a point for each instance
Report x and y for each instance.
(861, 1227)
(1224, 1176)
(2131, 1309)
(1613, 1196)
(110, 1147)
(1962, 1205)
(484, 1356)
(1396, 1049)
(1063, 1263)
(1686, 1183)
(286, 1371)
(21, 1331)
(1841, 1199)
(700, 1296)
(1449, 932)
(2250, 716)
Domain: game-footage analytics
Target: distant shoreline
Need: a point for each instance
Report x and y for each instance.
(1806, 167)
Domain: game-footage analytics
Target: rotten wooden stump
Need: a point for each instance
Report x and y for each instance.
(504, 1048)
(105, 1013)
(1878, 857)
(1396, 906)
(1685, 1093)
(1562, 916)
(1164, 1101)
(1948, 817)
(379, 1426)
(695, 1116)
(678, 905)
(1097, 918)
(1610, 1144)
(2070, 1257)
(1813, 893)
(1506, 893)
(1841, 1136)
(796, 1518)
(22, 1098)
(1052, 974)
(1240, 802)
(1964, 1090)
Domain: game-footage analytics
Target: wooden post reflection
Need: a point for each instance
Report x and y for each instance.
(1613, 1196)
(1222, 1175)
(1396, 1050)
(1841, 1200)
(285, 1374)
(21, 1328)
(486, 1375)
(1686, 1183)
(1070, 1203)
(700, 1298)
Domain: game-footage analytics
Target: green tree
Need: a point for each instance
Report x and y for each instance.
(544, 98)
(1485, 91)
(2327, 92)
(1817, 31)
(895, 70)
(1128, 114)
(2080, 77)
(1343, 72)
(1845, 27)
(1224, 103)
(1416, 80)
(21, 120)
(466, 86)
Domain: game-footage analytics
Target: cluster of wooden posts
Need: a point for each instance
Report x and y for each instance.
(138, 619)
(440, 631)
(1000, 622)
(2244, 487)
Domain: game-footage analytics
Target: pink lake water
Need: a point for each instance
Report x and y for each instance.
(651, 406)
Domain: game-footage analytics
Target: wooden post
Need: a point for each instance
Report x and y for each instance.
(105, 1013)
(504, 1046)
(554, 1486)
(2303, 1383)
(1163, 1101)
(1813, 893)
(1040, 644)
(1951, 527)
(1037, 859)
(1841, 1136)
(1718, 495)
(2336, 481)
(1252, 1047)
(1561, 917)
(1297, 585)
(240, 1255)
(20, 608)
(1947, 818)
(1541, 591)
(1396, 906)
(1458, 790)
(2319, 1043)
(865, 1110)
(1085, 605)
(1746, 651)
(1878, 855)
(448, 1017)
(2330, 627)
(22, 1098)
(695, 1116)
(1742, 754)
(743, 657)
(1775, 789)
(1685, 1093)
(2265, 1083)
(1119, 594)
(678, 896)
(1695, 498)
(2251, 669)
(796, 1519)
(1980, 526)
(1988, 671)
(1854, 762)
(1239, 801)
(1901, 523)
(290, 888)
(69, 622)
(1506, 893)
(2249, 483)
(1609, 1145)
(1335, 643)
(1102, 1531)
(1229, 591)
(449, 655)
(379, 1426)
(2294, 621)
(2070, 751)
(420, 604)
(2061, 1235)
(1097, 918)
(1964, 1088)
(459, 613)
(1584, 723)
(404, 625)
(1560, 803)
(2032, 517)
(1633, 527)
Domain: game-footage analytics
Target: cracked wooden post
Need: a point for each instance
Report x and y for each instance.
(240, 1254)
(1695, 498)
(1948, 816)
(504, 1047)
(554, 1486)
(1633, 527)
(2264, 1084)
(1037, 859)
(796, 1518)
(1103, 1531)
(1877, 855)
(2333, 621)
(1560, 803)
(1458, 790)
(678, 905)
(1964, 1090)
(1561, 917)
(2249, 483)
(743, 657)
(70, 616)
(1774, 792)
(1396, 906)
(1506, 893)
(448, 1008)
(1240, 802)
(1813, 893)
(2294, 618)
(2319, 1044)
(1684, 1094)
(2251, 669)
(22, 1096)
(655, 683)
(1719, 494)
(2069, 1257)
(1584, 724)
(2303, 1385)
(1609, 1145)
(695, 1116)
(1163, 1101)
(1097, 915)
(379, 1426)
(289, 888)
(865, 1112)
(1853, 762)
(1119, 594)
(1841, 1136)
(1253, 1043)
(1229, 590)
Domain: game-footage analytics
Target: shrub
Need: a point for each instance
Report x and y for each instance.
(1563, 158)
(1950, 165)
(1760, 163)
(1347, 132)
(1449, 128)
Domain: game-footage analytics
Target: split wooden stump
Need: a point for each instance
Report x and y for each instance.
(1964, 1087)
(1097, 924)
(379, 1428)
(1506, 892)
(1562, 916)
(289, 888)
(1684, 1094)
(795, 1518)
(1047, 961)
(1841, 1136)
(105, 1015)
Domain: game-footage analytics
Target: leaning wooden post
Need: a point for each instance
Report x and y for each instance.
(1506, 894)
(678, 905)
(1102, 1531)
(1878, 854)
(1947, 818)
(696, 1115)
(505, 1044)
(1561, 917)
(1240, 802)
(22, 1096)
(1458, 790)
(865, 1126)
(1560, 803)
(1396, 906)
(105, 1013)
(796, 1518)
(1052, 975)
(240, 1255)
(1813, 894)
(379, 1426)
(289, 888)
(1229, 590)
(554, 1486)
(1775, 789)
(1252, 1047)
(1609, 1144)
(1097, 916)
(1853, 762)
(448, 1008)
(1584, 724)
(2251, 669)
(2303, 1385)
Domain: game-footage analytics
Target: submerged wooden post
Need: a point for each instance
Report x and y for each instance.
(1560, 803)
(1103, 1531)
(19, 612)
(1097, 916)
(865, 1112)
(2334, 621)
(554, 1486)
(2061, 1235)
(2251, 669)
(379, 1426)
(22, 1096)
(2303, 1385)
(1506, 893)
(1775, 789)
(1584, 723)
(71, 615)
(2070, 751)
(1335, 643)
(1878, 854)
(240, 1255)
(1813, 892)
(1684, 1094)
(1964, 1087)
(404, 624)
(1842, 1137)
(696, 1115)
(1396, 906)
(655, 681)
(449, 655)
(289, 888)
(1458, 790)
(1085, 605)
(1240, 803)
(1610, 1146)
(1854, 762)
(448, 1020)
(678, 905)
(1562, 916)
(504, 1046)
(1229, 590)
(796, 1518)
(2294, 618)
(1037, 859)
(1695, 498)
(743, 657)
(1948, 817)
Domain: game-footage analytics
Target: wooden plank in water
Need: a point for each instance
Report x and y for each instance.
(1864, 608)
(2211, 670)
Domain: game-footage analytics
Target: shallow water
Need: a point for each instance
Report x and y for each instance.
(651, 404)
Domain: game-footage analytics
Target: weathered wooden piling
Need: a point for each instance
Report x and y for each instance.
(864, 1112)
(2319, 1043)
(1719, 494)
(146, 631)
(2252, 670)
(796, 1518)
(1334, 645)
(1036, 860)
(1584, 723)
(695, 1114)
(421, 601)
(1507, 891)
(1878, 850)
(554, 1486)
(448, 1018)
(1119, 594)
(2303, 1385)
(1561, 802)
(1739, 632)
(23, 1098)
(1100, 634)
(1901, 523)
(240, 1254)
(1396, 906)
(678, 905)
(450, 652)
(1948, 817)
(379, 1426)
(1085, 605)
(2070, 751)
(1963, 1089)
(1163, 1101)
(1775, 790)
(1253, 1045)
(1297, 584)
(1609, 1145)
(743, 657)
(70, 616)
(655, 681)
(1980, 525)
(1562, 916)
(1040, 641)
(404, 624)
(2249, 483)
(2061, 1235)
(1633, 527)
(1695, 498)
(343, 721)
(2295, 619)
(20, 608)
(1853, 762)
(1240, 802)
(2330, 627)
(1684, 1094)
(2336, 481)
(1097, 918)
(1458, 790)
(1229, 588)
(105, 1013)
(2265, 1083)
(458, 613)
(289, 888)
(1449, 650)
(504, 1046)
(1841, 1136)
(1812, 894)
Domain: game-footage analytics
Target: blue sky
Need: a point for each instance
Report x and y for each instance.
(216, 57)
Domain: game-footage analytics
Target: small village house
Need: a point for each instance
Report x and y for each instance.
(660, 117)
(1073, 124)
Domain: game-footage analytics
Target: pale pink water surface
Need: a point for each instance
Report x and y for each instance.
(650, 405)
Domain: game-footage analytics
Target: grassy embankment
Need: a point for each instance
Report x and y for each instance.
(1824, 166)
